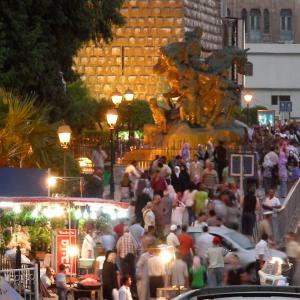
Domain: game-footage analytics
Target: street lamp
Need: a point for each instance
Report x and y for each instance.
(248, 98)
(112, 118)
(129, 96)
(116, 98)
(64, 134)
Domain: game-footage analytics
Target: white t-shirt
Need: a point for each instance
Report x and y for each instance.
(177, 215)
(179, 272)
(172, 240)
(47, 281)
(100, 260)
(203, 242)
(262, 248)
(188, 197)
(272, 202)
(155, 267)
(88, 245)
(124, 293)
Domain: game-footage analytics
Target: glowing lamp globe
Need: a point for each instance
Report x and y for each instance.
(112, 117)
(64, 135)
(248, 98)
(129, 95)
(116, 98)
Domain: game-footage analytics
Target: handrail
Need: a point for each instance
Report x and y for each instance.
(288, 215)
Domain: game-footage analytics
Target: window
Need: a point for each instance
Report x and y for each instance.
(255, 20)
(244, 17)
(286, 24)
(266, 21)
(228, 12)
(275, 99)
(255, 25)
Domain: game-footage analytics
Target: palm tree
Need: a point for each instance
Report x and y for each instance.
(26, 137)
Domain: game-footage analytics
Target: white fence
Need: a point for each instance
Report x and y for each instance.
(24, 281)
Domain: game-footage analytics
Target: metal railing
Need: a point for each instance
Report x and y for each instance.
(24, 281)
(289, 215)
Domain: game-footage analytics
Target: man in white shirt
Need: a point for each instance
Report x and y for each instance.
(203, 243)
(271, 201)
(124, 291)
(88, 245)
(262, 253)
(179, 272)
(172, 239)
(132, 171)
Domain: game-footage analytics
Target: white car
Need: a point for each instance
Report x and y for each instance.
(234, 242)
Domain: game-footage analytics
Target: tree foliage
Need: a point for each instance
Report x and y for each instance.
(38, 39)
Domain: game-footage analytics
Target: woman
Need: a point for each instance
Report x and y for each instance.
(210, 177)
(109, 275)
(197, 274)
(185, 152)
(188, 200)
(249, 205)
(148, 215)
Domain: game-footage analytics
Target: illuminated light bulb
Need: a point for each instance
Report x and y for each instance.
(72, 251)
(93, 215)
(17, 208)
(51, 181)
(85, 214)
(77, 214)
(58, 211)
(34, 213)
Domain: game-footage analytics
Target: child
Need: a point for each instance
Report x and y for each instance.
(197, 274)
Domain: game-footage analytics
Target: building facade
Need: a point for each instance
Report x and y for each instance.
(267, 21)
(272, 34)
(128, 61)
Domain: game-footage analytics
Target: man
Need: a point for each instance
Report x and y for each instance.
(157, 209)
(137, 231)
(215, 263)
(203, 243)
(124, 291)
(199, 199)
(195, 169)
(48, 278)
(125, 246)
(270, 161)
(156, 272)
(179, 272)
(172, 239)
(94, 186)
(265, 225)
(235, 272)
(262, 253)
(149, 239)
(186, 247)
(220, 156)
(165, 170)
(292, 251)
(98, 157)
(272, 203)
(133, 172)
(88, 246)
(61, 283)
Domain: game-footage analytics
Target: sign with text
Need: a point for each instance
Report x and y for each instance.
(65, 239)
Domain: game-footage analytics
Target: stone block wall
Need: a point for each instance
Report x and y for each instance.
(128, 61)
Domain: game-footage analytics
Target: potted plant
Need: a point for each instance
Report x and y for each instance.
(40, 239)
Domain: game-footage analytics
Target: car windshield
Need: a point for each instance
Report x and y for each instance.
(240, 239)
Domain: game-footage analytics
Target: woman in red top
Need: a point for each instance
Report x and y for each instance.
(158, 184)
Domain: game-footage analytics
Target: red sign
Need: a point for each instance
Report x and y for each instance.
(65, 245)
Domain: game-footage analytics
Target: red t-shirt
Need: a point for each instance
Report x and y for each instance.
(186, 243)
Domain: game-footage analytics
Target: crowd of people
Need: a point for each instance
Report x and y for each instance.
(195, 189)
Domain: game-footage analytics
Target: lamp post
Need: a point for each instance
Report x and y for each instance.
(64, 134)
(112, 118)
(248, 98)
(117, 98)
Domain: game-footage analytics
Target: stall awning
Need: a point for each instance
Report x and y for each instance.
(64, 200)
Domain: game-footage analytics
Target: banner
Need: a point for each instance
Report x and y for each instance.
(65, 241)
